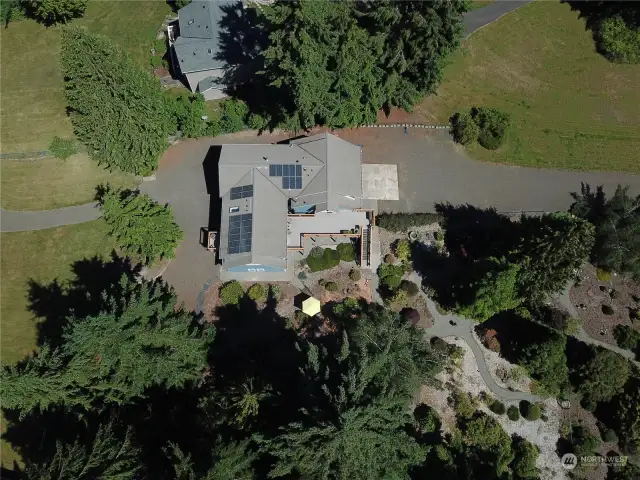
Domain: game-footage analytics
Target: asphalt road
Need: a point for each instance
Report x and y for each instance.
(484, 16)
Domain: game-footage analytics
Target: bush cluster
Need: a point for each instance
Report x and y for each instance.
(513, 413)
(608, 310)
(331, 286)
(402, 249)
(401, 222)
(410, 288)
(619, 41)
(390, 275)
(426, 418)
(354, 275)
(486, 125)
(231, 293)
(627, 337)
(530, 411)
(346, 252)
(327, 260)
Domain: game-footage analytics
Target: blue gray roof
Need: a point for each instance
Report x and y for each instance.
(198, 46)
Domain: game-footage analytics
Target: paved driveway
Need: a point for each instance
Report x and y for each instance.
(431, 168)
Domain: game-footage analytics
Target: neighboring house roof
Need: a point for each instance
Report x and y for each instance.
(326, 173)
(198, 46)
(210, 82)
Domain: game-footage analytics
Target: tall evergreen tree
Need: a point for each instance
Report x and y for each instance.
(603, 375)
(551, 249)
(118, 110)
(140, 340)
(325, 61)
(546, 361)
(417, 37)
(353, 424)
(109, 456)
(142, 227)
(230, 462)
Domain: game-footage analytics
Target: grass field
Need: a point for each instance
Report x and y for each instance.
(51, 183)
(476, 4)
(33, 104)
(570, 108)
(41, 256)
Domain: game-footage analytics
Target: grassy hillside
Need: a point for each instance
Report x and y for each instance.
(571, 108)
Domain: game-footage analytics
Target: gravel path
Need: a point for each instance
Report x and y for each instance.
(463, 329)
(583, 336)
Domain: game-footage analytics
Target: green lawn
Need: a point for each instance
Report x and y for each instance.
(570, 108)
(51, 183)
(476, 4)
(41, 256)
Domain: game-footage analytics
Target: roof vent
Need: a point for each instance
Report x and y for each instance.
(209, 50)
(190, 22)
(266, 159)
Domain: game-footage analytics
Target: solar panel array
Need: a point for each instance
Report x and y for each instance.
(291, 175)
(245, 191)
(240, 233)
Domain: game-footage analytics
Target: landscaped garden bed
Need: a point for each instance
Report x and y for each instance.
(605, 302)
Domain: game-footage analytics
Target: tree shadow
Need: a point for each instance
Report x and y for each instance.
(595, 12)
(211, 178)
(85, 295)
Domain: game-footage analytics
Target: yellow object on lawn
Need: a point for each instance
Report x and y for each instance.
(311, 306)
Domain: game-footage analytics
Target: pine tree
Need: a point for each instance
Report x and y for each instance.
(232, 461)
(108, 457)
(141, 340)
(353, 423)
(142, 227)
(118, 110)
(551, 250)
(417, 37)
(603, 375)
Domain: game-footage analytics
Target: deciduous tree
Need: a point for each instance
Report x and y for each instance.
(51, 12)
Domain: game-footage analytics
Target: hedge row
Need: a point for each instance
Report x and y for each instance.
(401, 222)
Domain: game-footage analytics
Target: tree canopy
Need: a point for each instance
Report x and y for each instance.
(603, 375)
(339, 63)
(142, 227)
(118, 110)
(51, 12)
(140, 340)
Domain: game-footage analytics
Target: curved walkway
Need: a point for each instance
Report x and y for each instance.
(582, 334)
(463, 329)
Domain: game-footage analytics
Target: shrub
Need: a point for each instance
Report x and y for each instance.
(403, 250)
(619, 42)
(498, 407)
(583, 442)
(614, 294)
(439, 345)
(257, 122)
(627, 337)
(399, 298)
(188, 111)
(609, 436)
(603, 275)
(426, 418)
(62, 148)
(410, 288)
(464, 128)
(607, 310)
(572, 326)
(302, 276)
(300, 317)
(231, 293)
(274, 291)
(346, 252)
(322, 282)
(257, 292)
(354, 275)
(316, 252)
(463, 404)
(234, 113)
(530, 411)
(331, 286)
(392, 282)
(389, 259)
(401, 222)
(493, 125)
(513, 413)
(329, 259)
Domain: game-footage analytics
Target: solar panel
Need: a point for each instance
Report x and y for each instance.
(244, 191)
(240, 233)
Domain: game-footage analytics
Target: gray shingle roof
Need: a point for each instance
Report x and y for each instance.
(331, 180)
(198, 46)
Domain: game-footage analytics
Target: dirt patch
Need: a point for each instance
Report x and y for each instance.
(346, 287)
(592, 294)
